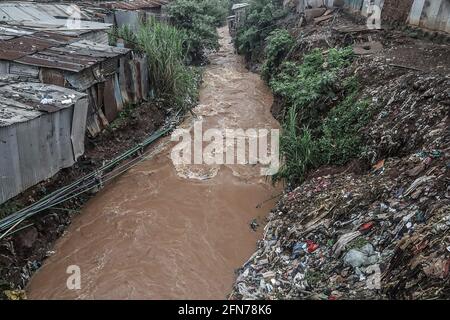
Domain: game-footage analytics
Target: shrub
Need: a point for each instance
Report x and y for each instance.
(297, 150)
(319, 136)
(218, 9)
(261, 20)
(198, 19)
(341, 136)
(172, 81)
(279, 43)
(312, 84)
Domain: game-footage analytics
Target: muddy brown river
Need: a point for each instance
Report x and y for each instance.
(165, 231)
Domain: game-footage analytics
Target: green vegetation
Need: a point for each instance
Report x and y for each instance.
(279, 44)
(261, 20)
(297, 149)
(172, 82)
(172, 48)
(313, 278)
(312, 84)
(218, 9)
(341, 139)
(198, 19)
(317, 128)
(358, 243)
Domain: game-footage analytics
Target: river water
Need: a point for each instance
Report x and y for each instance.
(162, 231)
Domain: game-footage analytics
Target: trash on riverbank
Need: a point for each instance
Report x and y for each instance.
(381, 233)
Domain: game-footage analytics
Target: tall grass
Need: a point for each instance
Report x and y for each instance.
(172, 81)
(325, 115)
(198, 19)
(298, 149)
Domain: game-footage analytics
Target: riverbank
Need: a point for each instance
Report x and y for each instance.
(22, 253)
(377, 225)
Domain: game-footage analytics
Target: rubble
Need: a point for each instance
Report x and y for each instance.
(358, 223)
(381, 233)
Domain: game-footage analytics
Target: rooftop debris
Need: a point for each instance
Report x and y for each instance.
(49, 17)
(75, 56)
(42, 129)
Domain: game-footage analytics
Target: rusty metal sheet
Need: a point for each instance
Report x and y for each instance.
(52, 76)
(56, 38)
(123, 80)
(118, 93)
(79, 126)
(25, 45)
(134, 5)
(109, 100)
(60, 59)
(44, 61)
(110, 66)
(81, 81)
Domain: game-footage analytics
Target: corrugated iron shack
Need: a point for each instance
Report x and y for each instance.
(238, 18)
(111, 76)
(132, 13)
(42, 130)
(63, 19)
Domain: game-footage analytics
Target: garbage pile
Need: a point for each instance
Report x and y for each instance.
(383, 234)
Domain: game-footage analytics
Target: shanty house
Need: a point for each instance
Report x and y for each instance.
(132, 13)
(42, 130)
(111, 76)
(63, 19)
(238, 18)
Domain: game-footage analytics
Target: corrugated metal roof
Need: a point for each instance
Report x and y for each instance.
(7, 33)
(23, 101)
(73, 57)
(133, 5)
(63, 60)
(43, 49)
(25, 45)
(12, 112)
(42, 129)
(239, 6)
(46, 17)
(6, 79)
(32, 11)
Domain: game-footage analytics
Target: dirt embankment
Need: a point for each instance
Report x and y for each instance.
(379, 227)
(23, 252)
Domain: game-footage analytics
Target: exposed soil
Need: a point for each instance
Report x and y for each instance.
(23, 252)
